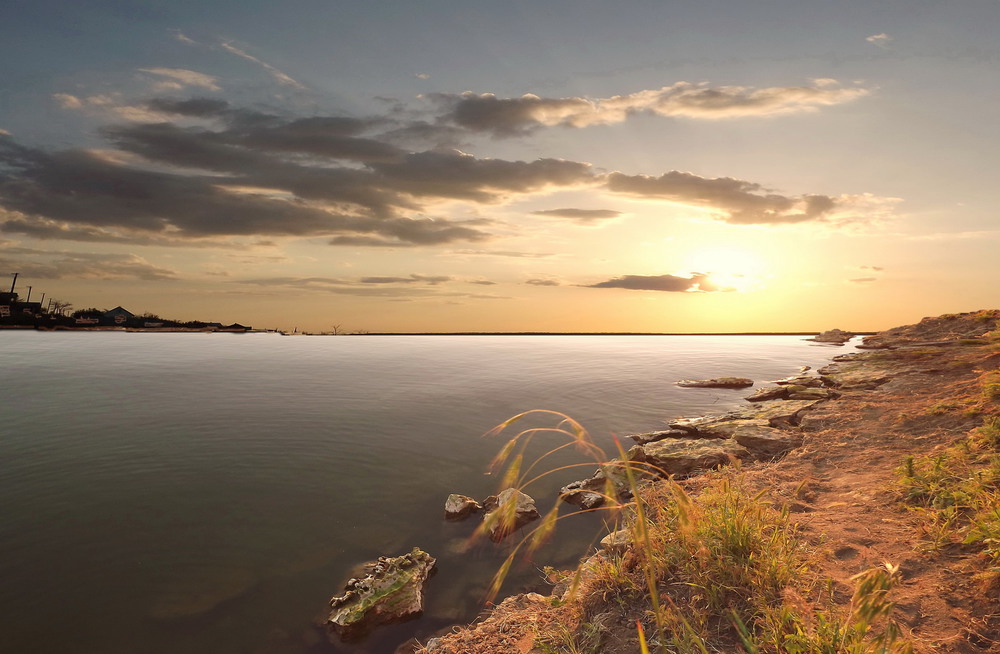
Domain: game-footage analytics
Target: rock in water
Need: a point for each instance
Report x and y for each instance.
(717, 382)
(391, 591)
(837, 336)
(460, 507)
(508, 512)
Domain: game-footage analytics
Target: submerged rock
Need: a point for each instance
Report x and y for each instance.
(391, 591)
(460, 507)
(508, 512)
(717, 382)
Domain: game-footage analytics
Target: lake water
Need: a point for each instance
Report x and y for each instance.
(208, 493)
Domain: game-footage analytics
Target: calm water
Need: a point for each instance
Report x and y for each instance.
(208, 493)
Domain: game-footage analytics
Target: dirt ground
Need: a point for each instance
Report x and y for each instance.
(840, 487)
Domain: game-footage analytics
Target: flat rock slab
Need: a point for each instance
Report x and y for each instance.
(854, 376)
(717, 382)
(768, 393)
(809, 381)
(765, 442)
(391, 591)
(650, 436)
(781, 412)
(775, 413)
(683, 457)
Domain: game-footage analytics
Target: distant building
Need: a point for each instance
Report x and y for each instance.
(117, 316)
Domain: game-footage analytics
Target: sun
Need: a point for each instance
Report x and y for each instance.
(729, 268)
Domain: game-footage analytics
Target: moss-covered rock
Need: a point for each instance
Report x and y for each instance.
(390, 591)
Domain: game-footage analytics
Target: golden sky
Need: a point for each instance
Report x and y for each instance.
(521, 166)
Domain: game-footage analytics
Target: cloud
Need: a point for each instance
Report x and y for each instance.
(667, 283)
(198, 169)
(254, 190)
(197, 107)
(873, 268)
(881, 40)
(508, 253)
(80, 265)
(581, 216)
(863, 280)
(176, 34)
(178, 78)
(486, 112)
(277, 74)
(412, 279)
(383, 287)
(67, 101)
(422, 76)
(955, 236)
(542, 282)
(735, 201)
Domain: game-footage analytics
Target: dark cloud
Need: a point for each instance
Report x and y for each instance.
(461, 176)
(213, 170)
(582, 216)
(740, 202)
(252, 192)
(669, 283)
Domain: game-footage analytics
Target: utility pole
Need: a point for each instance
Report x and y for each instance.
(28, 299)
(13, 282)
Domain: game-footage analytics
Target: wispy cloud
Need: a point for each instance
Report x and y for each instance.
(277, 74)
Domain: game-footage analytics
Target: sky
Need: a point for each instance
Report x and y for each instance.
(445, 166)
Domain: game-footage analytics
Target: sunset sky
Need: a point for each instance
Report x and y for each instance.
(504, 166)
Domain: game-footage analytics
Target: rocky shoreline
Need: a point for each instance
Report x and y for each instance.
(787, 427)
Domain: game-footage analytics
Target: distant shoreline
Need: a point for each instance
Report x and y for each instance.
(170, 330)
(806, 333)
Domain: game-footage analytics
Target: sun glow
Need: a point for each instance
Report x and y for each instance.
(728, 268)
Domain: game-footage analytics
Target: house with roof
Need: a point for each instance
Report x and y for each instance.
(117, 316)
